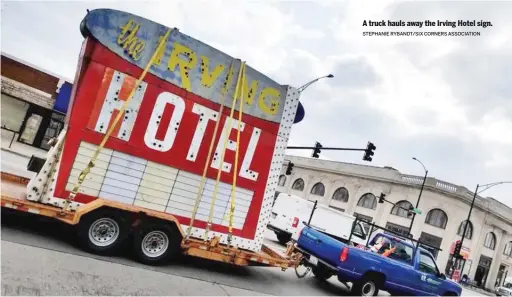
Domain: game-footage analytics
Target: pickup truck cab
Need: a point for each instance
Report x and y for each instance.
(392, 264)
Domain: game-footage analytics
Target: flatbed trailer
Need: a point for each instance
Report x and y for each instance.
(115, 172)
(13, 197)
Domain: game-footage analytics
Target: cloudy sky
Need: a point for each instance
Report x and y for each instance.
(445, 100)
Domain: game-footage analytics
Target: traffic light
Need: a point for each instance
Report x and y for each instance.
(316, 151)
(456, 250)
(289, 168)
(368, 152)
(382, 198)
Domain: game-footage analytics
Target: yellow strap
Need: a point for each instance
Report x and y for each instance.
(219, 171)
(208, 158)
(87, 169)
(235, 170)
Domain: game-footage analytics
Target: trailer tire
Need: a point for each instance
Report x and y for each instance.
(283, 238)
(322, 272)
(102, 232)
(155, 244)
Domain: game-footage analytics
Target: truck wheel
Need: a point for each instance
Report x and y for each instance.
(366, 287)
(102, 232)
(156, 244)
(283, 238)
(322, 272)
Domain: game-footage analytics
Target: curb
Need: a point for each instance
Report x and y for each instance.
(15, 152)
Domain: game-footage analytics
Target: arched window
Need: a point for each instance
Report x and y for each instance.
(298, 184)
(318, 189)
(437, 217)
(341, 194)
(282, 180)
(508, 249)
(469, 229)
(490, 241)
(400, 209)
(368, 200)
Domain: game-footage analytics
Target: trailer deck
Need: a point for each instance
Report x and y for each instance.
(13, 196)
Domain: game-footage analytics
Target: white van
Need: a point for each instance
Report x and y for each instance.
(290, 212)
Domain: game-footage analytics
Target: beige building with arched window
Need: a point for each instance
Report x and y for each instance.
(354, 189)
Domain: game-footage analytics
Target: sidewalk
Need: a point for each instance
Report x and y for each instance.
(15, 159)
(471, 291)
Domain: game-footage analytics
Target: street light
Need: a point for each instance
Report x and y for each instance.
(421, 191)
(303, 87)
(486, 187)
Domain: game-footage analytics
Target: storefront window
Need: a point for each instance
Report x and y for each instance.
(54, 128)
(31, 128)
(13, 112)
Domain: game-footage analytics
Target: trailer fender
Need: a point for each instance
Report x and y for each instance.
(138, 213)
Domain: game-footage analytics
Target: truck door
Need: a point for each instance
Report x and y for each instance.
(428, 276)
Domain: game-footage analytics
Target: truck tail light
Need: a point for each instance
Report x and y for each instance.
(344, 254)
(295, 222)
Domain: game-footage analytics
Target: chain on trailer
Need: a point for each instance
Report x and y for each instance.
(90, 165)
(210, 151)
(239, 88)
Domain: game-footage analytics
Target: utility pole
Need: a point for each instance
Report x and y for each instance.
(419, 196)
(486, 187)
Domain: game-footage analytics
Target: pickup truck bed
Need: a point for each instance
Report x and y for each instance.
(405, 271)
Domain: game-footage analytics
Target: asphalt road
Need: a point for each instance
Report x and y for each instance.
(40, 256)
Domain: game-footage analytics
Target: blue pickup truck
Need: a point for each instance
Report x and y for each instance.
(392, 264)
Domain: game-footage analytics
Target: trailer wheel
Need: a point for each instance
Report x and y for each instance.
(283, 238)
(102, 232)
(322, 272)
(156, 243)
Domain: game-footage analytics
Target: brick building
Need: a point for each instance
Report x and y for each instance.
(33, 103)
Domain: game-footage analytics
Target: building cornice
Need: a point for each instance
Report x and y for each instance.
(395, 177)
(26, 93)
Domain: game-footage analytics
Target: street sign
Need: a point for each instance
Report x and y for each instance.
(416, 211)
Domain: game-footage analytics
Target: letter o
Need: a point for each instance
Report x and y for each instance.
(155, 121)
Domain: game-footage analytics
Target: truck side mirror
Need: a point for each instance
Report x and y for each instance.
(441, 275)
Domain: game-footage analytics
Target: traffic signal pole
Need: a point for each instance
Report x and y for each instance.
(456, 257)
(421, 192)
(324, 148)
(485, 187)
(368, 151)
(418, 200)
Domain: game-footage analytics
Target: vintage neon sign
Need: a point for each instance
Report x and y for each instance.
(185, 62)
(163, 142)
(156, 154)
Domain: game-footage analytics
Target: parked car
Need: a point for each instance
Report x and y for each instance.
(505, 289)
